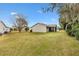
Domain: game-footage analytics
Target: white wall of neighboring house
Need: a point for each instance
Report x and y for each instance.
(39, 28)
(7, 29)
(3, 28)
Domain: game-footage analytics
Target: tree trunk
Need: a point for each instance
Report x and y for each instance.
(19, 29)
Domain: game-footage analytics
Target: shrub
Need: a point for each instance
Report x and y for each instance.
(27, 28)
(75, 31)
(77, 35)
(15, 29)
(71, 30)
(68, 31)
(11, 29)
(0, 34)
(5, 32)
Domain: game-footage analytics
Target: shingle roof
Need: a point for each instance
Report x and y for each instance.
(50, 25)
(39, 23)
(3, 23)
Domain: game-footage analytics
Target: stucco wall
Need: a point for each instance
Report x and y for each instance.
(39, 28)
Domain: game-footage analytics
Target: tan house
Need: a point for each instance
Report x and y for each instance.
(40, 27)
(3, 28)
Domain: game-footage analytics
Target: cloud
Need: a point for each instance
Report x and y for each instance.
(13, 13)
(40, 11)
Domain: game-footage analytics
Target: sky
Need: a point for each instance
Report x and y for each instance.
(32, 12)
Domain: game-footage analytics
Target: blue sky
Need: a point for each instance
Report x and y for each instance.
(30, 10)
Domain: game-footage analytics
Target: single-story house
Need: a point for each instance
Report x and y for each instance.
(3, 28)
(40, 27)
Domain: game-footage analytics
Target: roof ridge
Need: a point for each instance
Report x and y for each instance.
(3, 23)
(39, 23)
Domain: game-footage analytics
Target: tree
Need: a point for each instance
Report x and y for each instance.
(69, 16)
(69, 13)
(20, 22)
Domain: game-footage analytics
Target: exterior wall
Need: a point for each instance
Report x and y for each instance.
(39, 28)
(2, 27)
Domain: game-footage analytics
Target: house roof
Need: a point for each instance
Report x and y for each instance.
(3, 23)
(39, 23)
(50, 25)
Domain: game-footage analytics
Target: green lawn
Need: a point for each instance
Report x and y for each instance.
(38, 44)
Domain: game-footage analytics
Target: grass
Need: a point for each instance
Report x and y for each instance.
(38, 44)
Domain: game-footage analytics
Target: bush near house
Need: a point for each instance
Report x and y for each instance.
(77, 35)
(73, 31)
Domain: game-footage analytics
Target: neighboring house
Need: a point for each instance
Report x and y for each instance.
(15, 28)
(40, 27)
(3, 28)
